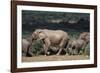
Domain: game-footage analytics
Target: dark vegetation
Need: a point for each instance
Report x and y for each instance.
(72, 23)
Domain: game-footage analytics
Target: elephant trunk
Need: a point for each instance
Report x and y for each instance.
(29, 52)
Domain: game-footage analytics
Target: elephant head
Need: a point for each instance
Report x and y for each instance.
(38, 35)
(35, 34)
(85, 36)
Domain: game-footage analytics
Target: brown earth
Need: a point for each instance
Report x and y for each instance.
(53, 58)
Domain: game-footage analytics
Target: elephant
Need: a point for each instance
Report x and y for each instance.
(25, 48)
(85, 36)
(78, 46)
(56, 38)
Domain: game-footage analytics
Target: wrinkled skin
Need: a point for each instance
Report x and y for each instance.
(57, 38)
(25, 48)
(79, 46)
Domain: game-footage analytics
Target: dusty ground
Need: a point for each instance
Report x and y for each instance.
(53, 58)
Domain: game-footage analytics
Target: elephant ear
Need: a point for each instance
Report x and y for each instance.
(35, 34)
(42, 35)
(44, 38)
(85, 36)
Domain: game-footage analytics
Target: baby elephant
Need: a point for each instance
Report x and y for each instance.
(25, 48)
(79, 46)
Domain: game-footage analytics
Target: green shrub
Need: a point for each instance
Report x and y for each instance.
(37, 47)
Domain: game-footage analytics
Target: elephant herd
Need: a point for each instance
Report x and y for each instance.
(58, 39)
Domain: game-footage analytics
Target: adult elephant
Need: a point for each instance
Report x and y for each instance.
(56, 38)
(79, 46)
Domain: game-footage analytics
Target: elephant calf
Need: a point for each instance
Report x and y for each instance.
(79, 46)
(25, 48)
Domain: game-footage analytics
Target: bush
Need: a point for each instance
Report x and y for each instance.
(37, 47)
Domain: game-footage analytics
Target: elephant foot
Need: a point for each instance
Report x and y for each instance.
(45, 55)
(48, 53)
(87, 56)
(80, 53)
(29, 54)
(57, 54)
(67, 54)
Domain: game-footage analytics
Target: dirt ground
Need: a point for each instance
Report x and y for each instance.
(53, 58)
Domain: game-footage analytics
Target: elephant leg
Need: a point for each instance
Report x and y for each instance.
(61, 46)
(83, 49)
(60, 49)
(69, 50)
(29, 51)
(75, 51)
(45, 49)
(46, 46)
